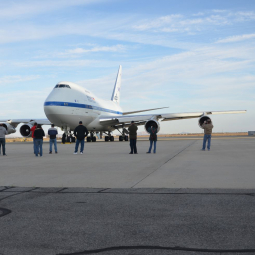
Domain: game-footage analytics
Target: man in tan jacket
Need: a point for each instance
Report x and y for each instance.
(132, 137)
(207, 126)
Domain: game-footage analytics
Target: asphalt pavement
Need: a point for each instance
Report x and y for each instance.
(178, 201)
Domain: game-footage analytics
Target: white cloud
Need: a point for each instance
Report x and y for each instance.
(55, 63)
(115, 48)
(23, 104)
(27, 8)
(236, 38)
(17, 78)
(180, 23)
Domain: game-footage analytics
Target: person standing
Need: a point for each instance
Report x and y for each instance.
(207, 126)
(52, 132)
(80, 132)
(133, 137)
(3, 132)
(153, 138)
(39, 134)
(64, 138)
(33, 136)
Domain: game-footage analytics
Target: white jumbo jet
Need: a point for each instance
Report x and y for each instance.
(69, 103)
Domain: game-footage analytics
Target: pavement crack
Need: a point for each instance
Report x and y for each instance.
(152, 247)
(102, 190)
(4, 211)
(11, 196)
(165, 162)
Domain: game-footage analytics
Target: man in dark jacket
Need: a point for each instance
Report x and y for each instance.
(80, 132)
(52, 132)
(33, 136)
(3, 132)
(153, 138)
(132, 137)
(39, 134)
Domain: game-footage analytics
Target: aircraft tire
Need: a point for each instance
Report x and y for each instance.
(111, 138)
(106, 138)
(121, 138)
(94, 139)
(126, 138)
(88, 139)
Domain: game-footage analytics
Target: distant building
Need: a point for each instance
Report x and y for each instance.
(251, 132)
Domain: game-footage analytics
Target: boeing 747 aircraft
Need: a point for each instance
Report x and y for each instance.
(69, 103)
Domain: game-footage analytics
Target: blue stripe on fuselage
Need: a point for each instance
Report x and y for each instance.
(87, 106)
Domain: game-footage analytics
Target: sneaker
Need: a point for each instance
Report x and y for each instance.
(75, 153)
(202, 150)
(81, 152)
(56, 152)
(4, 155)
(50, 152)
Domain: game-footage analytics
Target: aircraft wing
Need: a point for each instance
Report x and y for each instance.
(123, 121)
(16, 122)
(146, 110)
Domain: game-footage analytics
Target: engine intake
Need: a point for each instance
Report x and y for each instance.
(152, 123)
(202, 120)
(25, 130)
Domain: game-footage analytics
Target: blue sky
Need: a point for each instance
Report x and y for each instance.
(188, 55)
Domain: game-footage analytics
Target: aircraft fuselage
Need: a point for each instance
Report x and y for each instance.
(69, 103)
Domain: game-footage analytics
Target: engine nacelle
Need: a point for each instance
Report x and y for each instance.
(153, 123)
(202, 120)
(25, 130)
(10, 129)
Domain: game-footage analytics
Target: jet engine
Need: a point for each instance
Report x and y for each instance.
(9, 128)
(202, 120)
(153, 123)
(25, 130)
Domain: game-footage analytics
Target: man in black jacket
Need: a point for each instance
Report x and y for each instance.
(132, 137)
(80, 132)
(39, 134)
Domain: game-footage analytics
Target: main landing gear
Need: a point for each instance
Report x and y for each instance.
(109, 137)
(123, 136)
(91, 138)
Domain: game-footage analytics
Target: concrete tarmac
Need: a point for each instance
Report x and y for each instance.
(177, 164)
(179, 201)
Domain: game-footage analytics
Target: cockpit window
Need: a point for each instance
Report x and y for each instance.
(62, 86)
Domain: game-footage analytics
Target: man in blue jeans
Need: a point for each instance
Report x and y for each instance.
(3, 132)
(80, 132)
(153, 138)
(52, 132)
(207, 126)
